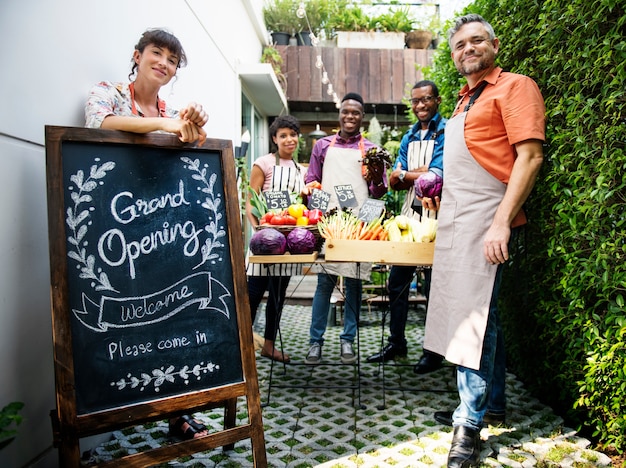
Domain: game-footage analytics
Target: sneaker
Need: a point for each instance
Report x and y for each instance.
(314, 355)
(347, 352)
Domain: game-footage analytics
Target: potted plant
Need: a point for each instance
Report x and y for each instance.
(350, 19)
(398, 20)
(272, 56)
(355, 28)
(422, 36)
(281, 20)
(318, 13)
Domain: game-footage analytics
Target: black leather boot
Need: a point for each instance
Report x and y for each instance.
(465, 449)
(429, 362)
(390, 351)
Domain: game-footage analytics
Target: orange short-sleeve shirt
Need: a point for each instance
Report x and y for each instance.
(510, 110)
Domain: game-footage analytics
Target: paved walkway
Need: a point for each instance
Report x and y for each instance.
(347, 426)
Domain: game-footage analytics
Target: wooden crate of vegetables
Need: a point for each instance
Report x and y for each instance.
(397, 240)
(284, 236)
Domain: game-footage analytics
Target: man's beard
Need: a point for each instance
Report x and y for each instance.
(482, 64)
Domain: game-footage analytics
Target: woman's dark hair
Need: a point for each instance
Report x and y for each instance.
(284, 121)
(160, 38)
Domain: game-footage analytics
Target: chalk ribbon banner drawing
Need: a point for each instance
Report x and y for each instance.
(150, 311)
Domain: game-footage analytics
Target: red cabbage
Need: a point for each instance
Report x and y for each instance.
(301, 241)
(268, 241)
(428, 185)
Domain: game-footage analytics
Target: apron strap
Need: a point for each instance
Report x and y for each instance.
(361, 144)
(160, 102)
(474, 96)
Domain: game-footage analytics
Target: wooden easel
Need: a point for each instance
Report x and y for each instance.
(83, 166)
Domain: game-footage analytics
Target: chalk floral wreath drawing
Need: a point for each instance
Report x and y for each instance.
(78, 221)
(211, 203)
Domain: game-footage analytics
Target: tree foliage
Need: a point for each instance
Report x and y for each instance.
(564, 292)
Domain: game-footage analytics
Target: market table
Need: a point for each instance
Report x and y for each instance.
(352, 251)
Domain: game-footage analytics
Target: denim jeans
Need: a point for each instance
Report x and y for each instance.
(277, 285)
(400, 278)
(321, 305)
(483, 390)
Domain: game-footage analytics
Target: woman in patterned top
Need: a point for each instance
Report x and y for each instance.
(136, 107)
(116, 106)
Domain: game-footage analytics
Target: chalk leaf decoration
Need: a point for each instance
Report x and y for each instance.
(211, 202)
(158, 377)
(77, 221)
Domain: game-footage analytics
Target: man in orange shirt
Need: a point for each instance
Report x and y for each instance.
(492, 155)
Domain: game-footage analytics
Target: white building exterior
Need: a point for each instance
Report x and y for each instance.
(53, 52)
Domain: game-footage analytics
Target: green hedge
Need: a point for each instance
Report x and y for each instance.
(563, 295)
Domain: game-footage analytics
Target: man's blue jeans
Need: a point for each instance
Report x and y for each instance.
(321, 304)
(483, 390)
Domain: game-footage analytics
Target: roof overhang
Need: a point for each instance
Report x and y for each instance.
(263, 88)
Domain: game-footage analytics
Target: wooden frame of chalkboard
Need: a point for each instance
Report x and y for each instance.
(150, 312)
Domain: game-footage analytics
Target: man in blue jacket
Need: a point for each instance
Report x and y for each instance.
(421, 150)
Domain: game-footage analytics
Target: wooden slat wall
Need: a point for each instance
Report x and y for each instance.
(382, 76)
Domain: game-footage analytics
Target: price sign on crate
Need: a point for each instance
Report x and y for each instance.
(371, 209)
(278, 200)
(319, 199)
(346, 196)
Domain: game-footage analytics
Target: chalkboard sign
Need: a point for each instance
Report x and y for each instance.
(277, 200)
(147, 263)
(371, 209)
(318, 199)
(346, 196)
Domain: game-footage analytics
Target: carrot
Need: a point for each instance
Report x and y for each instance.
(376, 232)
(367, 235)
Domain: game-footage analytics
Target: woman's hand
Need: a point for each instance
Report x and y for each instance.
(307, 190)
(195, 114)
(187, 131)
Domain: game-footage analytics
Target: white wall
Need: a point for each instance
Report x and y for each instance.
(53, 52)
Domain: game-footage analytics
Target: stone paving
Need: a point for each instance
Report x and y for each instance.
(341, 421)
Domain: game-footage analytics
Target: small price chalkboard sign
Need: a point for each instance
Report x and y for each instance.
(346, 196)
(149, 306)
(319, 199)
(371, 209)
(277, 200)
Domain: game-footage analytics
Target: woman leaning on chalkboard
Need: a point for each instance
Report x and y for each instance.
(116, 106)
(136, 107)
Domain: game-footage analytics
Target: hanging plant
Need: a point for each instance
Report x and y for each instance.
(9, 420)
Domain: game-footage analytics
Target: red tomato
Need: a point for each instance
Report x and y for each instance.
(290, 220)
(266, 218)
(277, 220)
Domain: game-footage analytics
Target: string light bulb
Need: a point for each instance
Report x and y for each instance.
(319, 63)
(301, 11)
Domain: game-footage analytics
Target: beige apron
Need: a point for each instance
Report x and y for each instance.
(342, 166)
(419, 154)
(462, 279)
(292, 180)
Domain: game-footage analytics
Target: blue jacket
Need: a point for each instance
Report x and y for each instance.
(435, 131)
